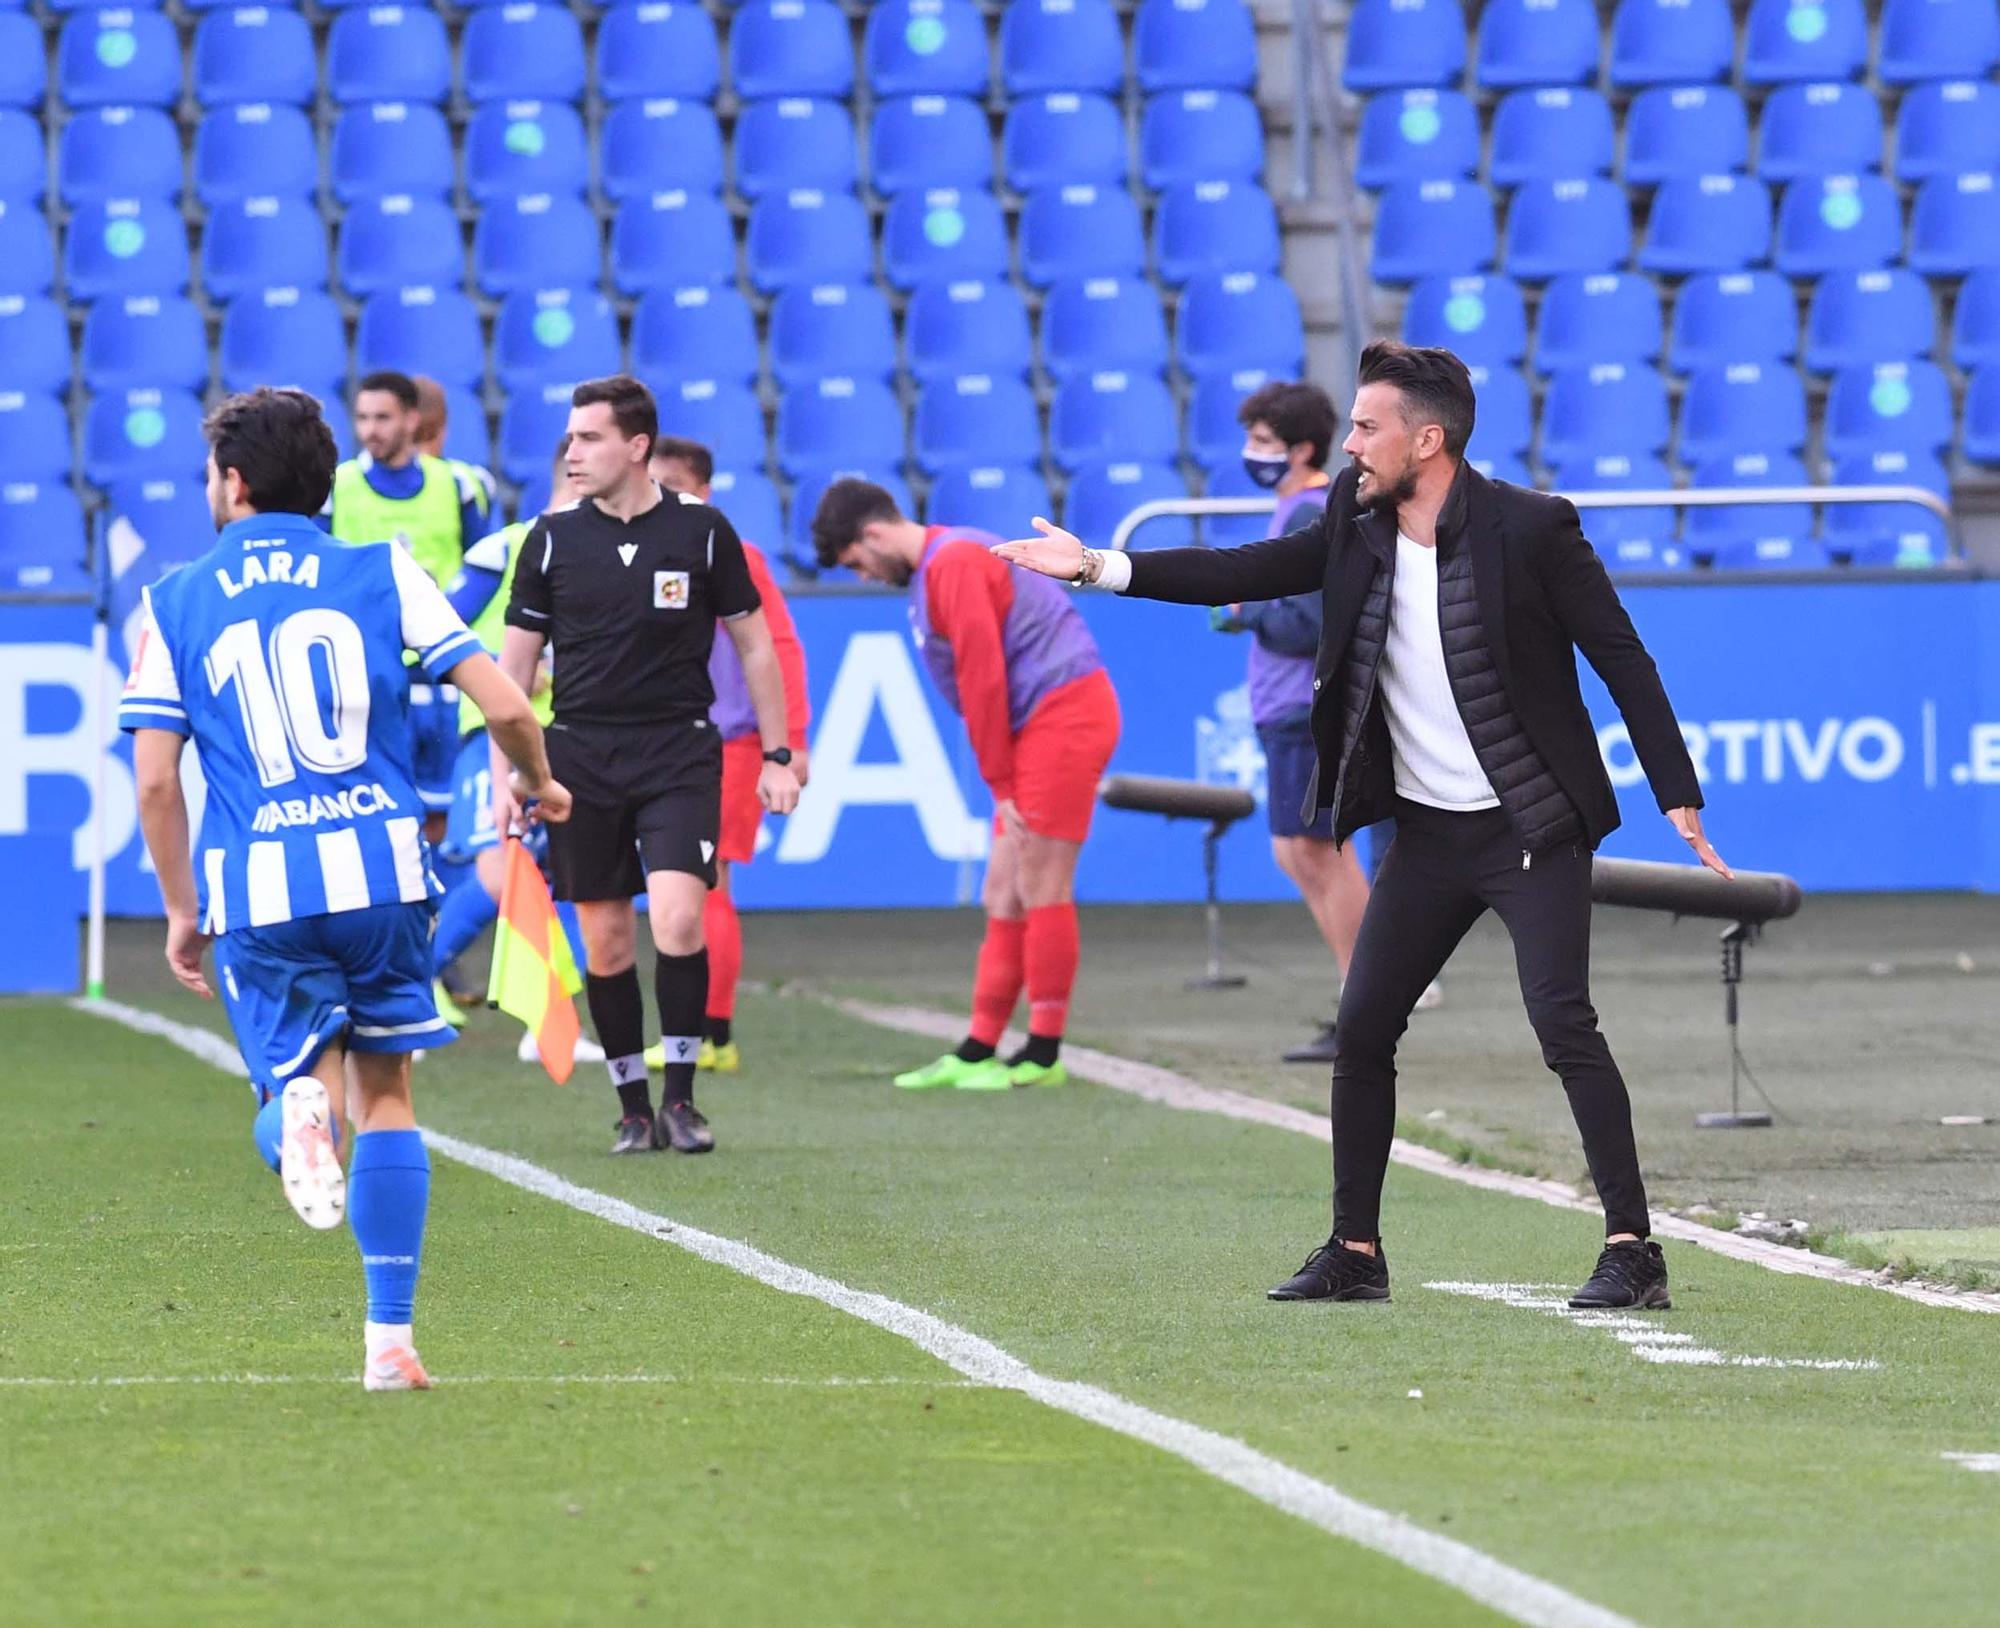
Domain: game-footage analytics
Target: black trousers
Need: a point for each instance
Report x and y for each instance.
(1441, 873)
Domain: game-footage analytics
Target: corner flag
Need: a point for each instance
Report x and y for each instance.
(534, 976)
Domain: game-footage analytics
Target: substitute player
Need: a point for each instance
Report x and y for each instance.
(279, 653)
(629, 584)
(687, 468)
(1011, 654)
(433, 423)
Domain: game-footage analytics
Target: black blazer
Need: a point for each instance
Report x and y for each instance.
(1543, 595)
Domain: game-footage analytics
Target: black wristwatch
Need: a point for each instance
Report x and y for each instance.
(782, 757)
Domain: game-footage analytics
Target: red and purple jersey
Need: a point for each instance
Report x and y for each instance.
(733, 715)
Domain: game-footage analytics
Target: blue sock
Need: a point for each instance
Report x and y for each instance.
(566, 914)
(388, 1193)
(462, 917)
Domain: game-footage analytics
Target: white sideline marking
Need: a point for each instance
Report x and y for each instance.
(1514, 1594)
(1154, 1084)
(61, 1382)
(1979, 1463)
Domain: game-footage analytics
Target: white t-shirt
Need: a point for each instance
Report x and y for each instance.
(1435, 763)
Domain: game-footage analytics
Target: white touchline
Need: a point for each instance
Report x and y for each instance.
(1982, 1463)
(1514, 1594)
(91, 1382)
(1155, 1084)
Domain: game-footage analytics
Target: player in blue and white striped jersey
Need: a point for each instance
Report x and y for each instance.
(280, 655)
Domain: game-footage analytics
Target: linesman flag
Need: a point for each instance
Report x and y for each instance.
(534, 976)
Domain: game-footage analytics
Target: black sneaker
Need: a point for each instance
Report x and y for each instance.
(1335, 1272)
(684, 1130)
(1319, 1049)
(1630, 1274)
(635, 1135)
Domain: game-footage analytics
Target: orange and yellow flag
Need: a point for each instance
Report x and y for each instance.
(534, 976)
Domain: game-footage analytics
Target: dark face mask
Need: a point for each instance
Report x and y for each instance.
(1267, 472)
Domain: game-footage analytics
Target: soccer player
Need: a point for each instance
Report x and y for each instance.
(279, 653)
(628, 584)
(1012, 655)
(687, 468)
(433, 421)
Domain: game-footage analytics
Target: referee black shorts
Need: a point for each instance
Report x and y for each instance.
(644, 798)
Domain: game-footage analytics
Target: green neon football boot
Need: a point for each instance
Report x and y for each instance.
(1027, 1073)
(950, 1071)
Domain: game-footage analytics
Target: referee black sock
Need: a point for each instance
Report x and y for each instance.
(619, 1015)
(680, 983)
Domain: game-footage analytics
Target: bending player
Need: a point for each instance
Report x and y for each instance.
(1011, 654)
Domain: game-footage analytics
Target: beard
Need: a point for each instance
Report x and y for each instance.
(1384, 497)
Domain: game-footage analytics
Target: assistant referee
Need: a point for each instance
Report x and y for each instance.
(628, 585)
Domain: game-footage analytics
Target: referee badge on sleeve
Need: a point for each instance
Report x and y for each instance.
(670, 590)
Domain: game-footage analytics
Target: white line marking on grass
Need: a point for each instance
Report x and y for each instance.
(89, 1382)
(1163, 1086)
(1480, 1577)
(1979, 1463)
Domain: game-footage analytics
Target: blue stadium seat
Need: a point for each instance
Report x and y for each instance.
(1982, 417)
(790, 48)
(544, 335)
(831, 330)
(1671, 42)
(24, 157)
(1792, 41)
(795, 143)
(1785, 552)
(1838, 223)
(1733, 316)
(1237, 320)
(834, 422)
(798, 550)
(976, 418)
(518, 52)
(1200, 135)
(116, 152)
(1558, 227)
(530, 425)
(992, 497)
(1552, 135)
(725, 418)
(255, 148)
(1080, 231)
(965, 328)
(1898, 534)
(1231, 530)
(1102, 493)
(676, 239)
(1512, 468)
(1103, 323)
(1955, 225)
(1506, 419)
(1430, 229)
(1937, 39)
(1819, 129)
(27, 250)
(1685, 130)
(658, 49)
(513, 149)
(1214, 226)
(1416, 135)
(1951, 128)
(144, 339)
(401, 242)
(1194, 45)
(468, 436)
(1395, 44)
(1629, 539)
(34, 345)
(143, 435)
(1613, 407)
(283, 335)
(24, 64)
(1707, 223)
(1214, 437)
(423, 329)
(535, 241)
(125, 246)
(1483, 319)
(1537, 42)
(254, 54)
(660, 144)
(943, 235)
(1736, 531)
(42, 540)
(1975, 320)
(1869, 316)
(919, 142)
(809, 237)
(1061, 45)
(391, 149)
(699, 332)
(1744, 407)
(1101, 416)
(388, 54)
(1063, 136)
(34, 438)
(751, 502)
(1597, 317)
(925, 48)
(119, 59)
(1888, 407)
(257, 243)
(163, 523)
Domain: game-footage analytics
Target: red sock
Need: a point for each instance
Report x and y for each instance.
(996, 986)
(724, 929)
(1053, 951)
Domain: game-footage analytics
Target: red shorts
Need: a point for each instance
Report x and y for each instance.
(1061, 754)
(742, 813)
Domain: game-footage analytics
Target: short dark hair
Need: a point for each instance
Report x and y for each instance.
(692, 453)
(1435, 385)
(632, 406)
(1296, 413)
(844, 510)
(279, 442)
(399, 385)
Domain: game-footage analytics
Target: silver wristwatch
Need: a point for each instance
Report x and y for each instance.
(1089, 569)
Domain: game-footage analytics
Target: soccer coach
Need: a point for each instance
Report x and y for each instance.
(628, 585)
(1445, 696)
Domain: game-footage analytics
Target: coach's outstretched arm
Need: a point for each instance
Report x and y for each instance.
(1292, 564)
(777, 785)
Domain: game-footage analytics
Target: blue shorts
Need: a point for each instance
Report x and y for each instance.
(434, 742)
(1289, 759)
(363, 977)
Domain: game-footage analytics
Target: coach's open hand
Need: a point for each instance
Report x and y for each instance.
(778, 788)
(1687, 821)
(1056, 553)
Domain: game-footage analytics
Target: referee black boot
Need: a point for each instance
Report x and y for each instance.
(1335, 1272)
(1631, 1273)
(683, 1129)
(636, 1134)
